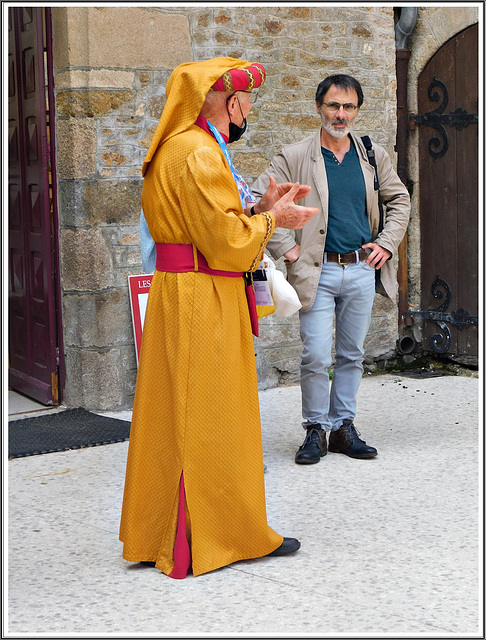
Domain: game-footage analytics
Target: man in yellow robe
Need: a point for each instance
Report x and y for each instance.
(194, 488)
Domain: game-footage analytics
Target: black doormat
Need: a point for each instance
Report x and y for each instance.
(62, 431)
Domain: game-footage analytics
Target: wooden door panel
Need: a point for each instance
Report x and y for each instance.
(448, 156)
(33, 366)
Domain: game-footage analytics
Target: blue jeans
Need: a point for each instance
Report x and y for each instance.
(348, 292)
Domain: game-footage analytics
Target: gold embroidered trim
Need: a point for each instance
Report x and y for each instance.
(262, 75)
(268, 233)
(251, 79)
(227, 81)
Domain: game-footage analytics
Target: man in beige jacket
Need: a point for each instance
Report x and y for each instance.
(333, 260)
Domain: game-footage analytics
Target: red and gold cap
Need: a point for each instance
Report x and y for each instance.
(245, 79)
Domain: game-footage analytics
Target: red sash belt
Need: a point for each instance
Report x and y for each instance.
(181, 258)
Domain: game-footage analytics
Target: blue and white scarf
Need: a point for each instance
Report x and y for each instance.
(246, 196)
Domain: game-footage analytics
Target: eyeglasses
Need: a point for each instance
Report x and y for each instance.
(335, 106)
(252, 96)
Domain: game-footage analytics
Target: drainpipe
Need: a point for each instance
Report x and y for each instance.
(403, 30)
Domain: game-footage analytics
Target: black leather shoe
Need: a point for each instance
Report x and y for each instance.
(314, 447)
(346, 440)
(289, 545)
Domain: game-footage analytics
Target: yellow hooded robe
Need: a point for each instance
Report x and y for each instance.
(196, 408)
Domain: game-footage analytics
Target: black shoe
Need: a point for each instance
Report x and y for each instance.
(346, 440)
(289, 545)
(314, 447)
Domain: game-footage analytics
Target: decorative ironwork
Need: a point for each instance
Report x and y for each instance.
(461, 318)
(438, 295)
(436, 119)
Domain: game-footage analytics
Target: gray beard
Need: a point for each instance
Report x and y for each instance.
(341, 133)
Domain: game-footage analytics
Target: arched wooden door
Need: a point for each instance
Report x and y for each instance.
(448, 157)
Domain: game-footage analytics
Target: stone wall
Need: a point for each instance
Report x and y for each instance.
(111, 67)
(299, 47)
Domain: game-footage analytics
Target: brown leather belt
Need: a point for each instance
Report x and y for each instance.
(347, 258)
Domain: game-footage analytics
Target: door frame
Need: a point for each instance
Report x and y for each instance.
(61, 363)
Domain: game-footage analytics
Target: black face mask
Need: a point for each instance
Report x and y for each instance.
(235, 132)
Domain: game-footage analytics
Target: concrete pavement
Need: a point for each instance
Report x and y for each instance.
(390, 546)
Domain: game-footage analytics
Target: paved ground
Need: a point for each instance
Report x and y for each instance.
(390, 546)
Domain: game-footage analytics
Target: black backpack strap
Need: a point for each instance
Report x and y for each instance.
(371, 158)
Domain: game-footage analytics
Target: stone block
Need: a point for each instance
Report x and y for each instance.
(203, 20)
(361, 30)
(111, 158)
(147, 139)
(99, 379)
(291, 82)
(99, 202)
(299, 13)
(92, 102)
(70, 198)
(222, 37)
(75, 148)
(156, 106)
(250, 164)
(278, 366)
(258, 139)
(301, 122)
(281, 332)
(273, 27)
(324, 64)
(222, 18)
(97, 319)
(86, 261)
(94, 78)
(127, 256)
(124, 160)
(120, 37)
(130, 238)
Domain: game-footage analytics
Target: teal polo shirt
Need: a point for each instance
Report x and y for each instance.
(348, 227)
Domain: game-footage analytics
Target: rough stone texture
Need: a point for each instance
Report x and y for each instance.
(109, 99)
(91, 78)
(86, 260)
(119, 37)
(100, 202)
(100, 379)
(292, 41)
(75, 148)
(97, 319)
(90, 103)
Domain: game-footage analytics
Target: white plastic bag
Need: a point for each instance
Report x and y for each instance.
(284, 295)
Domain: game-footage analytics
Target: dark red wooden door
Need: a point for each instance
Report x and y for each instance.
(448, 142)
(33, 345)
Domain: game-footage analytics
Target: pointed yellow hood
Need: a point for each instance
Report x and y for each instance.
(186, 91)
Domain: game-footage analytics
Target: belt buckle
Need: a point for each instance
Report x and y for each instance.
(343, 264)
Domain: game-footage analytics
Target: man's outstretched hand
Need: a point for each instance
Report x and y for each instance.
(276, 191)
(290, 215)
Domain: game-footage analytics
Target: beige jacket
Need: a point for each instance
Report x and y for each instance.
(303, 162)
